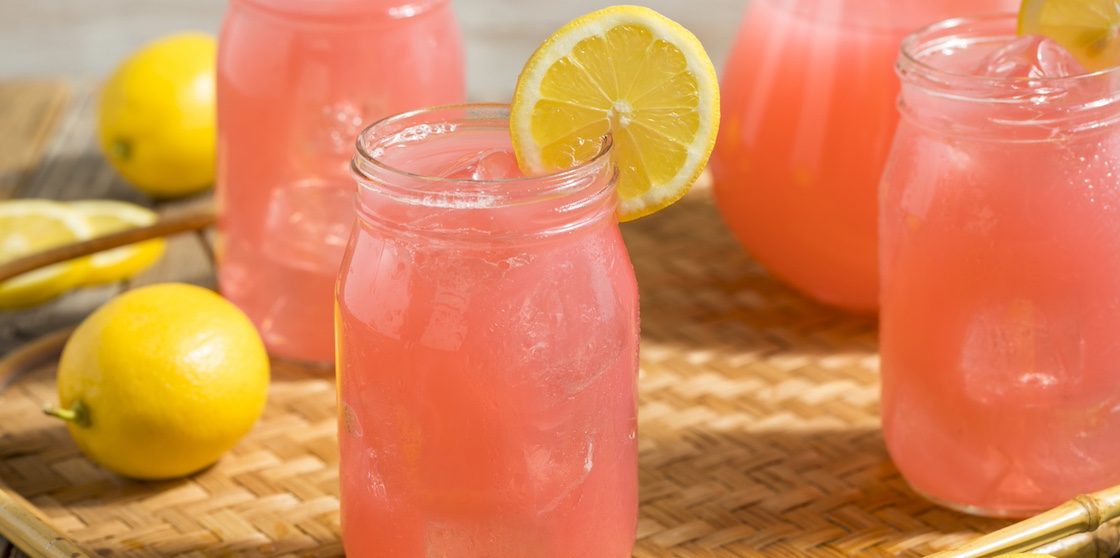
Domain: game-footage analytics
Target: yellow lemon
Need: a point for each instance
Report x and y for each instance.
(156, 116)
(111, 216)
(630, 72)
(1088, 29)
(162, 380)
(28, 226)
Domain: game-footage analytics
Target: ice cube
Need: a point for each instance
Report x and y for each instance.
(447, 325)
(558, 468)
(474, 535)
(1018, 352)
(492, 164)
(308, 223)
(1031, 57)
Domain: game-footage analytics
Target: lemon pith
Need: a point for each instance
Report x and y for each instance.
(630, 72)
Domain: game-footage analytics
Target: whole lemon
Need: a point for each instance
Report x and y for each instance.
(162, 380)
(156, 116)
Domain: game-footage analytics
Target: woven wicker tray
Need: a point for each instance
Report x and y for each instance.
(759, 436)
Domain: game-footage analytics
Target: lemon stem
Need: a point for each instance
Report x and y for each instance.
(77, 414)
(122, 149)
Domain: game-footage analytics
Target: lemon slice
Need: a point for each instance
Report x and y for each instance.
(28, 226)
(1088, 29)
(630, 72)
(111, 216)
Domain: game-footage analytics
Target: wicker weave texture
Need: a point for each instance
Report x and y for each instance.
(759, 435)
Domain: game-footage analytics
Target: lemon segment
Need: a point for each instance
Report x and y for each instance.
(1088, 29)
(108, 217)
(29, 226)
(630, 72)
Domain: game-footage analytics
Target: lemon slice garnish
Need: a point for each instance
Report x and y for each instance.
(111, 216)
(28, 226)
(1088, 29)
(630, 72)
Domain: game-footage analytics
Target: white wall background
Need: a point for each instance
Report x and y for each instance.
(86, 38)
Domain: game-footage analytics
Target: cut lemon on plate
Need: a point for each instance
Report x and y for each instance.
(630, 72)
(112, 216)
(1088, 29)
(28, 226)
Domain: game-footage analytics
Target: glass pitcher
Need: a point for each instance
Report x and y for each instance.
(808, 112)
(297, 81)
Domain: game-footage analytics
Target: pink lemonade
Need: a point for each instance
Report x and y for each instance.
(487, 350)
(297, 81)
(808, 112)
(1000, 325)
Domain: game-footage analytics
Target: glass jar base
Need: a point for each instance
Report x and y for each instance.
(978, 510)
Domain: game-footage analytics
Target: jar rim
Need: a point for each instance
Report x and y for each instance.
(399, 9)
(367, 165)
(920, 42)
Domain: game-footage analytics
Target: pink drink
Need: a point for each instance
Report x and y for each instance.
(1000, 325)
(297, 81)
(487, 350)
(808, 111)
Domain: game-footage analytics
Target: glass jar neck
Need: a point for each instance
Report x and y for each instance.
(409, 170)
(896, 17)
(342, 10)
(937, 66)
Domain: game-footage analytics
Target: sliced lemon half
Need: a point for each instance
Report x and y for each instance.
(28, 226)
(112, 216)
(1088, 29)
(631, 72)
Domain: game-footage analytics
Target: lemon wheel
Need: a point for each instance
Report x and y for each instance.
(630, 72)
(29, 226)
(1088, 29)
(108, 217)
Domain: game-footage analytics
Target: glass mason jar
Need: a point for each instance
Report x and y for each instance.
(297, 81)
(808, 110)
(487, 349)
(1000, 251)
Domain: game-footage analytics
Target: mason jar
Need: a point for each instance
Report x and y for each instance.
(487, 349)
(297, 81)
(1000, 256)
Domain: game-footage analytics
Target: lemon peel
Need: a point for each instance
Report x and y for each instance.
(157, 119)
(161, 381)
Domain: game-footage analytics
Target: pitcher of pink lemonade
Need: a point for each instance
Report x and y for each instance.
(808, 112)
(1000, 251)
(297, 81)
(487, 349)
